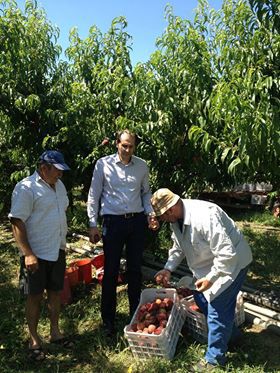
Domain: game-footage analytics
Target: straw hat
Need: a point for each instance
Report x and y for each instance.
(162, 200)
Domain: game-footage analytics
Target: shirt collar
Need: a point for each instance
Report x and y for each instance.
(187, 215)
(186, 220)
(38, 178)
(117, 159)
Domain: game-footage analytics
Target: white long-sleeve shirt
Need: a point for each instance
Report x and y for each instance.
(212, 244)
(118, 189)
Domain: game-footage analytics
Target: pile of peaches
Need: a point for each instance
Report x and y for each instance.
(183, 292)
(152, 317)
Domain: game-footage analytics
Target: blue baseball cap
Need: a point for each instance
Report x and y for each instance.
(56, 158)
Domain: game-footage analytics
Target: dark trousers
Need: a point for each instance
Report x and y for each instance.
(119, 233)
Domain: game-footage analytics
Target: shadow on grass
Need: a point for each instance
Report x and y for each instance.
(264, 270)
(12, 305)
(12, 317)
(91, 352)
(260, 349)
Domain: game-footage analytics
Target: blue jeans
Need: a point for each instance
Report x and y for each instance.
(119, 233)
(220, 319)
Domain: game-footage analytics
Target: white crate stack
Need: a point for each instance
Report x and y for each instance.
(145, 345)
(196, 321)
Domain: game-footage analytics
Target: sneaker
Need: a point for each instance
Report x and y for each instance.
(204, 366)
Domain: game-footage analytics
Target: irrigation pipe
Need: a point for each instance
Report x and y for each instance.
(262, 311)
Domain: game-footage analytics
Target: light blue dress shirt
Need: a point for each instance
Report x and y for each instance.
(118, 189)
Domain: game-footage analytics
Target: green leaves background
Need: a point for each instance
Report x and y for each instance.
(205, 105)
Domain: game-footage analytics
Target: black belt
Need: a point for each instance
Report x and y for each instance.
(128, 215)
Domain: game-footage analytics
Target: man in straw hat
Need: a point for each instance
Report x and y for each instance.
(218, 256)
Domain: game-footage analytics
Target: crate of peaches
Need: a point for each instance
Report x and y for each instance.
(155, 327)
(196, 321)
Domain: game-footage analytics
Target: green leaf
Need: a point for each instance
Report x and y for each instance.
(225, 153)
(233, 165)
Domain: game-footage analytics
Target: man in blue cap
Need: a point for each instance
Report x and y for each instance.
(38, 217)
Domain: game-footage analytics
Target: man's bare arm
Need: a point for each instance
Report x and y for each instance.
(19, 231)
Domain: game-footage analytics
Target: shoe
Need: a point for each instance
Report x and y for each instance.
(36, 354)
(204, 366)
(65, 342)
(108, 329)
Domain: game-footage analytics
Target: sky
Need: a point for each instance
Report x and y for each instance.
(145, 19)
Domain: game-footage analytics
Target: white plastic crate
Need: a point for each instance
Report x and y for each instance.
(145, 345)
(196, 321)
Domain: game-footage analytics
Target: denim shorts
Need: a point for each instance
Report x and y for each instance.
(49, 276)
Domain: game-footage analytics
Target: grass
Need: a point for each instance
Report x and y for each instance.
(93, 353)
(266, 218)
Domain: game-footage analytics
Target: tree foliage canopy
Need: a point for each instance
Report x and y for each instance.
(205, 105)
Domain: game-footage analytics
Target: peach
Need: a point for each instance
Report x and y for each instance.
(158, 330)
(161, 316)
(194, 307)
(148, 315)
(153, 307)
(163, 323)
(133, 327)
(147, 305)
(142, 308)
(140, 326)
(151, 328)
(151, 320)
(169, 304)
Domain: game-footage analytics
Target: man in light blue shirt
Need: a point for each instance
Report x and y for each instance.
(218, 256)
(120, 193)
